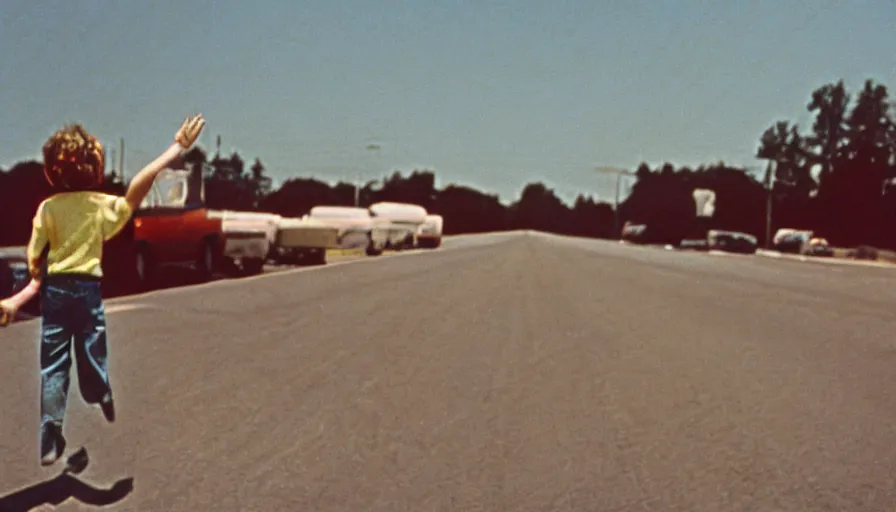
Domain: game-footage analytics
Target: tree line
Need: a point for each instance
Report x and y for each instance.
(231, 184)
(834, 178)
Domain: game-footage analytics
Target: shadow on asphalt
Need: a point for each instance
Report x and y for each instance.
(62, 488)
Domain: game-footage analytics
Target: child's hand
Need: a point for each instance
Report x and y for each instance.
(189, 131)
(10, 306)
(7, 312)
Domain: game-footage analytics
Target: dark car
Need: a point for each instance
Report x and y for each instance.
(732, 241)
(14, 277)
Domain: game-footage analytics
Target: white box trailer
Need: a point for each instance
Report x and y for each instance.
(357, 229)
(248, 238)
(255, 237)
(304, 240)
(402, 220)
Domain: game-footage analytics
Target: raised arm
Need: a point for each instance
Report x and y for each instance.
(142, 182)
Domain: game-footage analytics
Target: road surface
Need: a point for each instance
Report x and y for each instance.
(515, 372)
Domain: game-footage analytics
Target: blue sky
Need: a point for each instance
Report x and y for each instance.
(491, 94)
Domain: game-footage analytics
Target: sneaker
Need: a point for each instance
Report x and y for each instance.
(50, 458)
(56, 446)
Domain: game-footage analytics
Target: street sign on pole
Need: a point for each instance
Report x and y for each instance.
(705, 200)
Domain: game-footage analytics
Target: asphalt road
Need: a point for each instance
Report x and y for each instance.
(517, 372)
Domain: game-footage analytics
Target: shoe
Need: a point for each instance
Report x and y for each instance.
(50, 458)
(108, 407)
(57, 446)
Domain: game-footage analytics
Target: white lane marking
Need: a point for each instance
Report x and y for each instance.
(716, 252)
(117, 308)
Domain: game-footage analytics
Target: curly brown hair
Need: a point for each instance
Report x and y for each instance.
(74, 159)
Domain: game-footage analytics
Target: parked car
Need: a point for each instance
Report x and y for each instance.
(634, 233)
(791, 240)
(818, 247)
(732, 241)
(14, 276)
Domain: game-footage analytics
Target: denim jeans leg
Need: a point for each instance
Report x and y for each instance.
(90, 347)
(55, 366)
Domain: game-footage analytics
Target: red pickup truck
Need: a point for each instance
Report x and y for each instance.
(171, 228)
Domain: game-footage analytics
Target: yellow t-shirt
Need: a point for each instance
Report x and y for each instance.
(76, 224)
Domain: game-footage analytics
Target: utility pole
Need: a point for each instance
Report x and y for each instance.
(769, 183)
(121, 160)
(370, 147)
(616, 217)
(618, 172)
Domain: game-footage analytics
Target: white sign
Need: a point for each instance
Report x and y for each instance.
(706, 202)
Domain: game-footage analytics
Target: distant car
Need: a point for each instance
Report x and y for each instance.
(634, 233)
(732, 241)
(791, 240)
(14, 276)
(818, 247)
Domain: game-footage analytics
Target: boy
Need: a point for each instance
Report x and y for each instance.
(72, 226)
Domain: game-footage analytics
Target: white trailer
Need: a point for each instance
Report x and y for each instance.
(429, 234)
(402, 220)
(357, 229)
(248, 238)
(304, 240)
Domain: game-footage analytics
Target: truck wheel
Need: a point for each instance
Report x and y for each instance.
(312, 256)
(290, 257)
(205, 265)
(253, 267)
(372, 249)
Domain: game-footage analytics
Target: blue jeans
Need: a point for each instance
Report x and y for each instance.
(71, 311)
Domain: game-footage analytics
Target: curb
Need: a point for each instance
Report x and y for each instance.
(824, 261)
